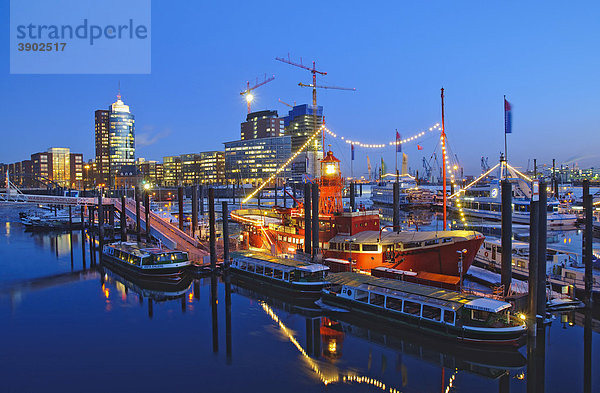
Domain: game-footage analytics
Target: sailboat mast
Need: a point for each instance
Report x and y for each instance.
(444, 162)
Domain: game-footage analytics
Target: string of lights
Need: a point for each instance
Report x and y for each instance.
(281, 168)
(435, 127)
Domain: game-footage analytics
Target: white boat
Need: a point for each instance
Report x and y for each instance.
(484, 201)
(410, 193)
(563, 268)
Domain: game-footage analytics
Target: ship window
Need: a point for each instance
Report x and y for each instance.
(251, 267)
(243, 265)
(432, 313)
(447, 240)
(147, 261)
(478, 315)
(432, 241)
(394, 304)
(412, 308)
(449, 317)
(361, 296)
(411, 245)
(369, 247)
(268, 272)
(355, 247)
(377, 299)
(277, 274)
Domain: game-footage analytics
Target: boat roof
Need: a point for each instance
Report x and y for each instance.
(407, 290)
(140, 249)
(486, 304)
(283, 264)
(390, 237)
(498, 242)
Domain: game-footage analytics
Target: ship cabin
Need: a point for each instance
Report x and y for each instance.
(145, 256)
(279, 269)
(409, 303)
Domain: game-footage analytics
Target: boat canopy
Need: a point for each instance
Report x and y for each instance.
(390, 237)
(486, 304)
(283, 264)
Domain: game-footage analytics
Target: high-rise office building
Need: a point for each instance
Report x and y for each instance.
(252, 161)
(151, 171)
(102, 154)
(300, 123)
(262, 124)
(115, 140)
(203, 168)
(61, 165)
(172, 171)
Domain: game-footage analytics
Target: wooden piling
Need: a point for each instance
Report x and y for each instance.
(284, 196)
(123, 217)
(70, 219)
(147, 211)
(100, 221)
(212, 227)
(534, 234)
(542, 250)
(201, 192)
(180, 203)
(506, 267)
(307, 220)
(111, 220)
(586, 249)
(138, 215)
(194, 223)
(396, 206)
(294, 194)
(225, 212)
(360, 189)
(275, 189)
(315, 221)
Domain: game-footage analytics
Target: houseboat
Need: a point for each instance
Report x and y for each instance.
(563, 268)
(467, 318)
(146, 261)
(304, 279)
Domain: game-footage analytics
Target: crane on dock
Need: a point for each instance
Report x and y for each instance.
(485, 166)
(314, 71)
(286, 104)
(248, 92)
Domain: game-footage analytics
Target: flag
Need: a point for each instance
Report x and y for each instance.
(352, 149)
(398, 144)
(419, 147)
(507, 117)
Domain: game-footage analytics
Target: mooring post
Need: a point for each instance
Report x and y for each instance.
(213, 300)
(194, 223)
(201, 192)
(275, 188)
(294, 194)
(70, 219)
(360, 193)
(213, 229)
(138, 215)
(180, 204)
(352, 197)
(506, 269)
(587, 242)
(315, 221)
(284, 195)
(147, 211)
(258, 198)
(535, 168)
(100, 221)
(307, 220)
(123, 217)
(534, 235)
(225, 212)
(554, 179)
(228, 345)
(111, 220)
(542, 249)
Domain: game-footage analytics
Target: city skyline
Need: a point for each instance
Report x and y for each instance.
(398, 62)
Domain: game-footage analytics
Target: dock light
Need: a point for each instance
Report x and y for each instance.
(249, 97)
(522, 316)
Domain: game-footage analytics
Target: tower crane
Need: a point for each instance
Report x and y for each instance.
(427, 168)
(485, 166)
(314, 85)
(248, 91)
(286, 104)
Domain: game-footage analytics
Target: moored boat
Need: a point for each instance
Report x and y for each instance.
(467, 318)
(292, 276)
(147, 261)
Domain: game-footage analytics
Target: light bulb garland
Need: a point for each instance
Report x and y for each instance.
(435, 127)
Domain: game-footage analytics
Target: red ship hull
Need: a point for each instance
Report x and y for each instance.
(441, 259)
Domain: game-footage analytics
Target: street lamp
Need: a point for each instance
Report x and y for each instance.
(460, 266)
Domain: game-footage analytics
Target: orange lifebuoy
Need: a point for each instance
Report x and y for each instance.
(486, 254)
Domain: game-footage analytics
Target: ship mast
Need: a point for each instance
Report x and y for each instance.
(444, 161)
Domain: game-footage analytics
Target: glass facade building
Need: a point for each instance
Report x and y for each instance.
(121, 136)
(300, 123)
(172, 171)
(203, 168)
(252, 161)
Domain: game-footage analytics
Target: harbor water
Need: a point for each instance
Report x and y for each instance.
(72, 325)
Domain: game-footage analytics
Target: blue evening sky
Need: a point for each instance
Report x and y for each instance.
(543, 55)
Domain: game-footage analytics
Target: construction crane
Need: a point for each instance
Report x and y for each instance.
(427, 168)
(485, 166)
(314, 85)
(286, 104)
(248, 91)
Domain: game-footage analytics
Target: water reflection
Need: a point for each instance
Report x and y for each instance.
(151, 291)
